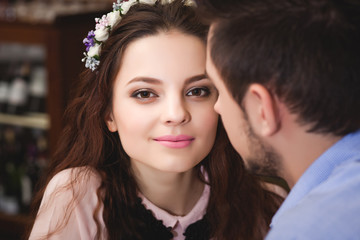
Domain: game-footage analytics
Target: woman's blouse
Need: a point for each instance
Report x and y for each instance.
(178, 224)
(79, 222)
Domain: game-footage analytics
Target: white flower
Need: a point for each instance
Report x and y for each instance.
(125, 6)
(190, 3)
(113, 18)
(101, 23)
(101, 34)
(150, 2)
(166, 1)
(94, 51)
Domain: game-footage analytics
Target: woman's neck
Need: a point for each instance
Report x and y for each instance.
(176, 193)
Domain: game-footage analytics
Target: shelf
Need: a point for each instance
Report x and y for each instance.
(61, 50)
(12, 227)
(41, 121)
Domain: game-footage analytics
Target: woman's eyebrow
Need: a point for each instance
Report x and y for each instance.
(158, 82)
(145, 79)
(208, 76)
(195, 78)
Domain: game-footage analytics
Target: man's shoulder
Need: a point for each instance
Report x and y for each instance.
(330, 210)
(338, 195)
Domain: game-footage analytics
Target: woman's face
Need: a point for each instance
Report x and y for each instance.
(163, 105)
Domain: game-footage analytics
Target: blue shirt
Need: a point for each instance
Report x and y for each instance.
(325, 202)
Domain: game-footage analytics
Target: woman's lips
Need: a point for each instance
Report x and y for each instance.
(179, 141)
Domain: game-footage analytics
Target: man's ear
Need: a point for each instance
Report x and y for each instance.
(262, 110)
(110, 122)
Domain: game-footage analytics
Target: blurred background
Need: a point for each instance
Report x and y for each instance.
(40, 59)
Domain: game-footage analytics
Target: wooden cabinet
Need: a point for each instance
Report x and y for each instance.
(62, 41)
(63, 45)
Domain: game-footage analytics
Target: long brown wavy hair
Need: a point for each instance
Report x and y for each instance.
(239, 208)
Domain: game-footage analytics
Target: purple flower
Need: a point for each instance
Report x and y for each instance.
(89, 41)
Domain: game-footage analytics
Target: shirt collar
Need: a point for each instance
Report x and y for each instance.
(197, 212)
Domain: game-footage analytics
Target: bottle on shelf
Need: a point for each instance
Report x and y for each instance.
(11, 170)
(4, 87)
(7, 10)
(2, 166)
(23, 159)
(37, 90)
(18, 91)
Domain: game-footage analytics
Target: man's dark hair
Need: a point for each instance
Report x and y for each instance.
(307, 53)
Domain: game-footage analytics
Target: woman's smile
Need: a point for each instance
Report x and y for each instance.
(171, 141)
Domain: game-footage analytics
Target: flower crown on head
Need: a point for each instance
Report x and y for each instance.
(104, 26)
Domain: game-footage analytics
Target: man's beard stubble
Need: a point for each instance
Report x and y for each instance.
(263, 158)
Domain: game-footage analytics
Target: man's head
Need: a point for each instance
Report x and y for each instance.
(304, 55)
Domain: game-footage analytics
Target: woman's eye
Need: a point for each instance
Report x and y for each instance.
(198, 92)
(143, 94)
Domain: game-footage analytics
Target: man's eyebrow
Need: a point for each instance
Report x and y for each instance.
(158, 82)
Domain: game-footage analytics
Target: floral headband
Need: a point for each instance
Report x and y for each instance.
(104, 26)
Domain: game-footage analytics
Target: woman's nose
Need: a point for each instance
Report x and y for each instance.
(175, 111)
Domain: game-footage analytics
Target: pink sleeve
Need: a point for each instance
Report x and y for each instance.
(55, 208)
